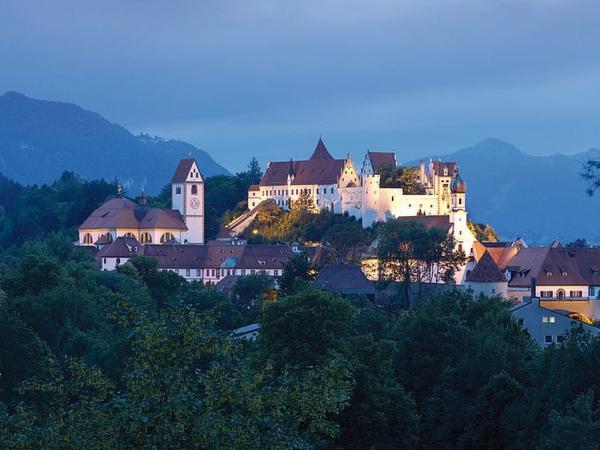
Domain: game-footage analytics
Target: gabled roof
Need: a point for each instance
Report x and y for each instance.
(320, 152)
(219, 255)
(556, 266)
(122, 247)
(501, 252)
(486, 271)
(183, 171)
(439, 166)
(344, 279)
(379, 159)
(323, 171)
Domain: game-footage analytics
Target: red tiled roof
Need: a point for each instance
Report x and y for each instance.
(321, 152)
(123, 213)
(501, 252)
(163, 218)
(254, 187)
(122, 247)
(439, 166)
(486, 271)
(183, 170)
(219, 255)
(379, 159)
(320, 171)
(115, 213)
(556, 266)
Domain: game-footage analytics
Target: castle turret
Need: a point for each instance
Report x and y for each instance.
(459, 190)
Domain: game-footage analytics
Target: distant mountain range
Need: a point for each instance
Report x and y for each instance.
(41, 139)
(540, 198)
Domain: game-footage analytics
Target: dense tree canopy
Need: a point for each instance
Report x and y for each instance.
(139, 358)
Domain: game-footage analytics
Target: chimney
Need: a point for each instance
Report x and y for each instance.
(532, 287)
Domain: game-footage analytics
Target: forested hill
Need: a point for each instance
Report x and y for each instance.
(540, 198)
(41, 139)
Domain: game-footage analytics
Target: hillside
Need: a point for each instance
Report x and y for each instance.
(40, 139)
(538, 197)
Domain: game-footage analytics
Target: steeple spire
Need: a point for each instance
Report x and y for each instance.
(321, 151)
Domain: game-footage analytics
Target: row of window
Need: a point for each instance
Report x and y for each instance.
(561, 294)
(145, 238)
(194, 190)
(214, 273)
(548, 339)
(294, 191)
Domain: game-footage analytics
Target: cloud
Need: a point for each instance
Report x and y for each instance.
(240, 71)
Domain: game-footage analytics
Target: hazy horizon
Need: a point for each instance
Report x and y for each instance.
(267, 78)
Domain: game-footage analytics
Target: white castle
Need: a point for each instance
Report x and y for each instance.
(336, 185)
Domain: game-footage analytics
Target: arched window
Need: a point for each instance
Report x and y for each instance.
(194, 189)
(166, 238)
(87, 239)
(146, 238)
(129, 235)
(109, 237)
(560, 294)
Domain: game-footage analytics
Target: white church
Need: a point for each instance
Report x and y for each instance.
(184, 223)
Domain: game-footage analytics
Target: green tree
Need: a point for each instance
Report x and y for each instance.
(251, 292)
(483, 232)
(296, 273)
(409, 252)
(575, 429)
(304, 202)
(304, 329)
(344, 238)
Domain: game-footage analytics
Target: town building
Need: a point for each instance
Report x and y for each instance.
(184, 223)
(345, 280)
(547, 326)
(560, 273)
(209, 263)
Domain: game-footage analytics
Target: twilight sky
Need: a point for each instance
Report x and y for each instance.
(241, 77)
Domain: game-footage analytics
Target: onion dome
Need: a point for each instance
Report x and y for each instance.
(458, 186)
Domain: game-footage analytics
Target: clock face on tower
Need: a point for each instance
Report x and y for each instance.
(195, 203)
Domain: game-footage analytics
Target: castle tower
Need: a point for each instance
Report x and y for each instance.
(187, 196)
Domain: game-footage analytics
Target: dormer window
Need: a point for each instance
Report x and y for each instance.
(548, 273)
(564, 274)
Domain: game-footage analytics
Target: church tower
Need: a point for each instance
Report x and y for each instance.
(187, 196)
